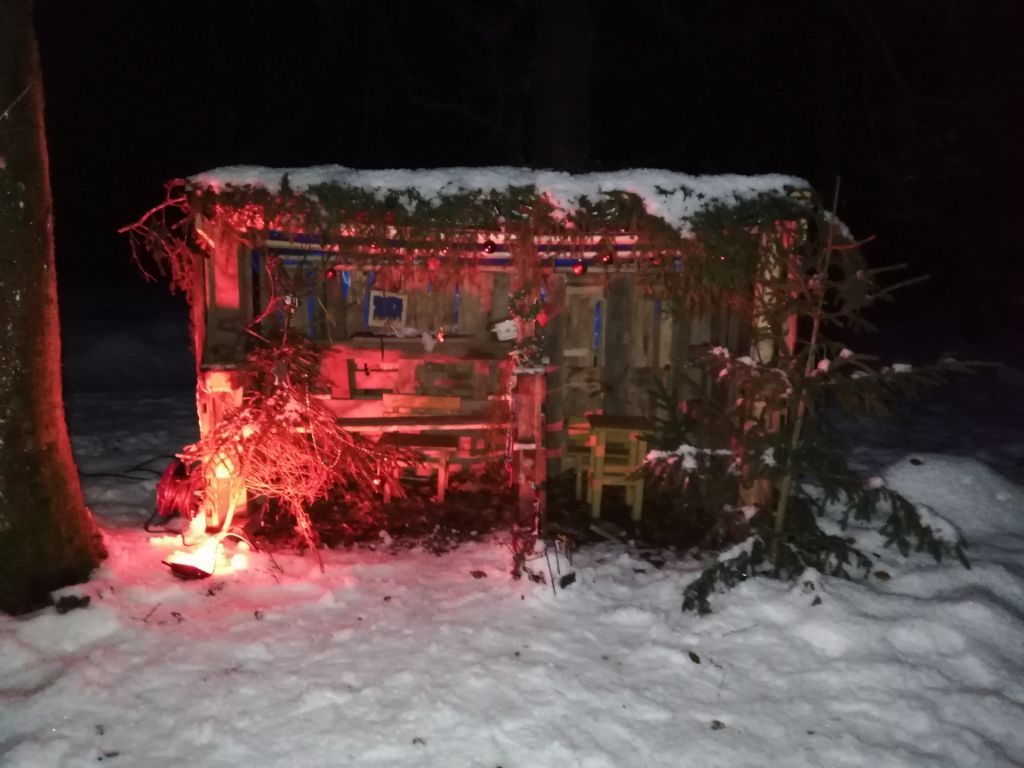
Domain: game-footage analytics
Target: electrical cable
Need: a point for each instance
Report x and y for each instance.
(118, 475)
(140, 467)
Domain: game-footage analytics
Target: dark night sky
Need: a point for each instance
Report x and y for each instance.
(913, 102)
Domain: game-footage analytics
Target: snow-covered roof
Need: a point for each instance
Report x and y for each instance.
(673, 197)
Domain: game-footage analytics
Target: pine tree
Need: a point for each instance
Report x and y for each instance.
(47, 536)
(758, 452)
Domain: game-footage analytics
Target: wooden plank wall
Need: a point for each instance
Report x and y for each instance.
(608, 344)
(331, 311)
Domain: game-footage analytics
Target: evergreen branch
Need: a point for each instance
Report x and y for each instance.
(887, 292)
(727, 573)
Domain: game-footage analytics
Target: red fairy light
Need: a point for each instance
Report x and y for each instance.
(607, 258)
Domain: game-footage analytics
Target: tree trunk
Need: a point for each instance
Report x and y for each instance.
(47, 536)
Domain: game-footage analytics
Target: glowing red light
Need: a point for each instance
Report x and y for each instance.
(579, 268)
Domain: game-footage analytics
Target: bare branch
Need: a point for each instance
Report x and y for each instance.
(7, 112)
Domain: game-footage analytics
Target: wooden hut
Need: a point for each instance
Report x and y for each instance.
(464, 313)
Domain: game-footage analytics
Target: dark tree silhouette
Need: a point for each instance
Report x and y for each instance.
(47, 536)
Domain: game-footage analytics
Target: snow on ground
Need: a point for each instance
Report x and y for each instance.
(403, 658)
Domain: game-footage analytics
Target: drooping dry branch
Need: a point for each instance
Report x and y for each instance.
(164, 235)
(285, 445)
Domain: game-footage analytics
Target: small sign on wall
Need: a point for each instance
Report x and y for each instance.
(387, 309)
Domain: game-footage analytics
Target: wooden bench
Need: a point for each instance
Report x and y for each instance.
(422, 412)
(440, 446)
(420, 405)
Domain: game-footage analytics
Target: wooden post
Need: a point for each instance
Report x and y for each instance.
(531, 466)
(680, 354)
(618, 342)
(554, 402)
(227, 310)
(442, 474)
(217, 394)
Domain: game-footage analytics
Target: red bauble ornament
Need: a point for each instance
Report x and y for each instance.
(433, 264)
(542, 318)
(330, 273)
(489, 246)
(580, 267)
(607, 258)
(655, 260)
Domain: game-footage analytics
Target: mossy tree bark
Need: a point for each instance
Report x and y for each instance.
(47, 536)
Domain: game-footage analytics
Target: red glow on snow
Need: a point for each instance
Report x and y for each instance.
(208, 557)
(200, 561)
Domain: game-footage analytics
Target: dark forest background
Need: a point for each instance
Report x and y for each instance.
(914, 103)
